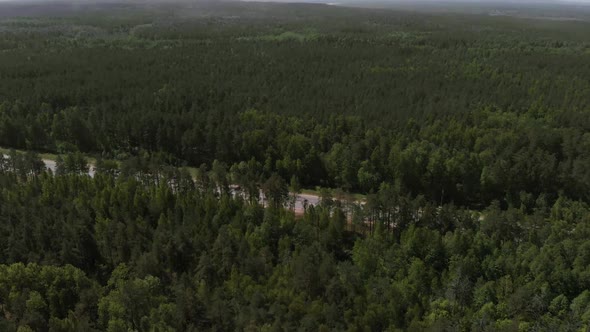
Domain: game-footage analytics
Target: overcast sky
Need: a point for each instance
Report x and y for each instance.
(360, 1)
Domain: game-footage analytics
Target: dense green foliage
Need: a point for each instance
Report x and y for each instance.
(158, 252)
(468, 133)
(458, 108)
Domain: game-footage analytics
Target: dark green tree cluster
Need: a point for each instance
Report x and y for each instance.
(129, 253)
(467, 110)
(469, 135)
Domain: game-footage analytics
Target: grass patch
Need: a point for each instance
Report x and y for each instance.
(193, 171)
(317, 192)
(44, 155)
(303, 36)
(49, 156)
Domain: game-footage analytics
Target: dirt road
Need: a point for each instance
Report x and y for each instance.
(303, 200)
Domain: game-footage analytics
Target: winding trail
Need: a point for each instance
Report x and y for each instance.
(301, 203)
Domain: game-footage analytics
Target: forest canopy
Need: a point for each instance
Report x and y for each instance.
(479, 107)
(465, 134)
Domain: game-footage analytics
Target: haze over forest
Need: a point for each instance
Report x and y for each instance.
(552, 9)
